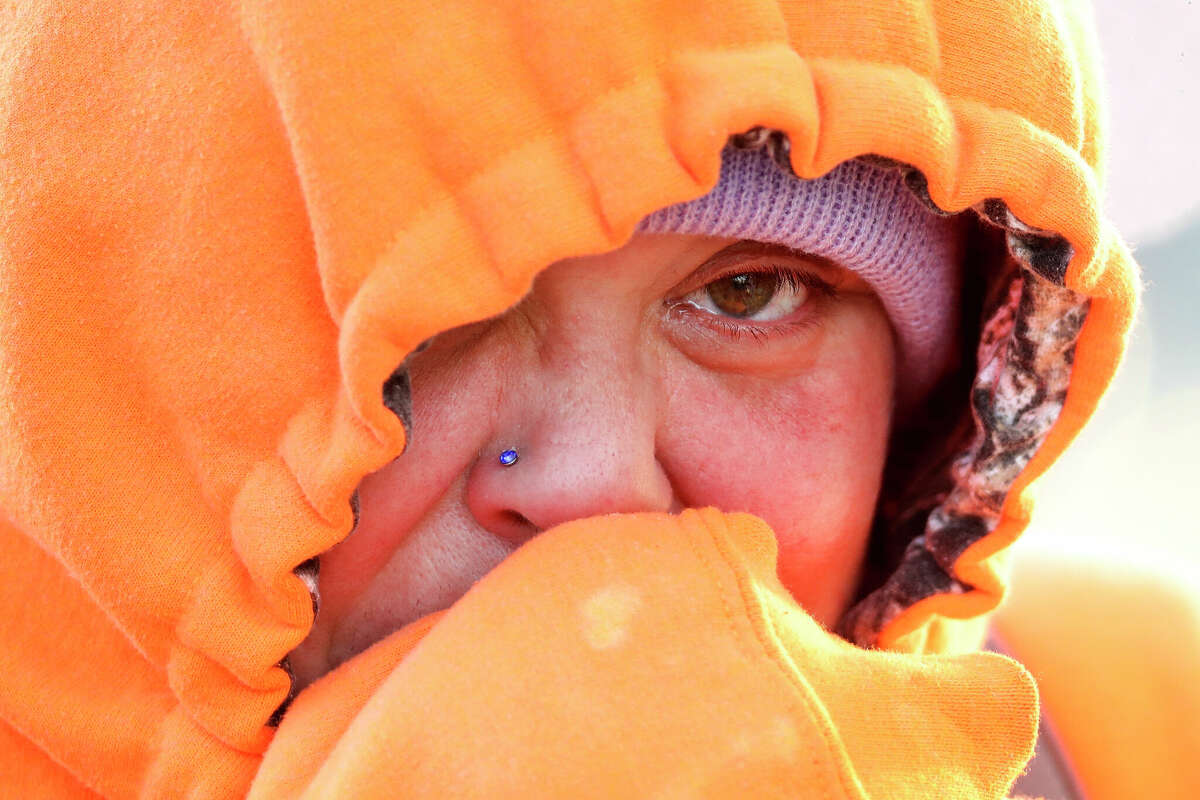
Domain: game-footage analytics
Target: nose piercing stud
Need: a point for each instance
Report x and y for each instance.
(508, 458)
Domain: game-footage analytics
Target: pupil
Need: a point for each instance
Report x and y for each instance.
(743, 294)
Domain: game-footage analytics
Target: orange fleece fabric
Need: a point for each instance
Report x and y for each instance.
(223, 225)
(1116, 663)
(572, 641)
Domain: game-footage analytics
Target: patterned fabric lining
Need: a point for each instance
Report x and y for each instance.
(1024, 355)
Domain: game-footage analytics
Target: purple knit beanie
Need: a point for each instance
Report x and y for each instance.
(862, 217)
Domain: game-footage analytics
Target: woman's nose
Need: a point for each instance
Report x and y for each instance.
(583, 428)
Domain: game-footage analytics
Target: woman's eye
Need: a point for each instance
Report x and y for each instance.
(758, 296)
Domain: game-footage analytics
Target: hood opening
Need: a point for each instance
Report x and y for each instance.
(949, 468)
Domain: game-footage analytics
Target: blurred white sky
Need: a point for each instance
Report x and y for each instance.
(1152, 66)
(1127, 486)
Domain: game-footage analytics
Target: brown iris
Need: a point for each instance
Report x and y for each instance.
(744, 293)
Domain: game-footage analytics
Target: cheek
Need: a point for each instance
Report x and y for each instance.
(805, 453)
(448, 431)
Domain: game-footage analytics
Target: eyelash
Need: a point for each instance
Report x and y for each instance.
(761, 333)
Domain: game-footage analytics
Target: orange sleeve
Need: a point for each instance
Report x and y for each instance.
(649, 655)
(1115, 649)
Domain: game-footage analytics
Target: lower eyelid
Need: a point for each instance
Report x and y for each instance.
(739, 330)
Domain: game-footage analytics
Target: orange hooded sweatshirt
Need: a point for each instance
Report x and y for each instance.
(216, 221)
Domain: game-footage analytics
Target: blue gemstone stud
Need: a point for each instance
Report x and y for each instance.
(508, 458)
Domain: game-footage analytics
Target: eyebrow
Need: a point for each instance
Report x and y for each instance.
(754, 247)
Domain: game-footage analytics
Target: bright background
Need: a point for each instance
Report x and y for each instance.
(1131, 482)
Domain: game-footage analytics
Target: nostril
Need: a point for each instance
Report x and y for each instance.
(516, 527)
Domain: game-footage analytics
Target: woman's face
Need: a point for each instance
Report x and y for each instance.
(678, 371)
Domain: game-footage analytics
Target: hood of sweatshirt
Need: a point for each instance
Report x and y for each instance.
(214, 220)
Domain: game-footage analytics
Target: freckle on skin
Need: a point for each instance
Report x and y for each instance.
(606, 616)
